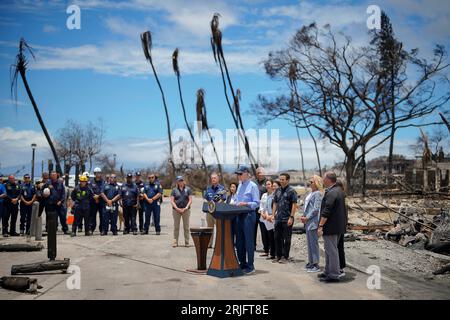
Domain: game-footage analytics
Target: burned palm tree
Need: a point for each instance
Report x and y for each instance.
(146, 40)
(202, 121)
(20, 67)
(296, 120)
(176, 69)
(216, 45)
(295, 94)
(445, 121)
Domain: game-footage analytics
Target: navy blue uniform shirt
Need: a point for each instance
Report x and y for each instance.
(28, 191)
(152, 189)
(129, 193)
(211, 191)
(57, 192)
(12, 190)
(111, 190)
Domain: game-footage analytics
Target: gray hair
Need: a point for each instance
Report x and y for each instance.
(214, 174)
(260, 170)
(331, 176)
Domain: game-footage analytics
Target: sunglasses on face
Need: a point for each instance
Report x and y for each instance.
(240, 174)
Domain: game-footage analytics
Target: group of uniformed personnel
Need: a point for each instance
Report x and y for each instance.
(90, 199)
(15, 195)
(105, 197)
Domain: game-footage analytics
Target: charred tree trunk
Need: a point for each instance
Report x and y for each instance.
(41, 267)
(301, 152)
(16, 247)
(41, 122)
(20, 284)
(349, 168)
(169, 133)
(188, 127)
(364, 170)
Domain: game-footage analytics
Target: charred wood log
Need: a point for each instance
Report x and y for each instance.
(443, 247)
(14, 247)
(442, 270)
(21, 284)
(41, 267)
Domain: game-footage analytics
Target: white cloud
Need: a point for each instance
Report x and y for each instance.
(16, 146)
(49, 28)
(118, 25)
(141, 152)
(12, 102)
(337, 15)
(127, 59)
(194, 17)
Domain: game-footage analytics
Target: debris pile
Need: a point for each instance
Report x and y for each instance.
(418, 224)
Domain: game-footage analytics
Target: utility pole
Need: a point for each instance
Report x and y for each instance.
(33, 146)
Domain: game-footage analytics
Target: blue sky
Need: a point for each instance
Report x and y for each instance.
(100, 71)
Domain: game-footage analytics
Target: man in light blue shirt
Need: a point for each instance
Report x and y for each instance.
(247, 195)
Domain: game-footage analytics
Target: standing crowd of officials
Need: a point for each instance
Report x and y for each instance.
(274, 204)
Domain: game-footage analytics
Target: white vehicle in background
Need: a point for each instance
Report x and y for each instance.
(72, 180)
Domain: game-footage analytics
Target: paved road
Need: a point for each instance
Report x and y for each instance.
(147, 267)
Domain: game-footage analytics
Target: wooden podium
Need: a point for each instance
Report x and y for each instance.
(201, 238)
(224, 263)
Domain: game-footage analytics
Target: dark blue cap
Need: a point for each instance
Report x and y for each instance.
(26, 175)
(242, 169)
(129, 175)
(138, 173)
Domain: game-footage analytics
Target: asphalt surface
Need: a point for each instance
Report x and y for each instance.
(147, 267)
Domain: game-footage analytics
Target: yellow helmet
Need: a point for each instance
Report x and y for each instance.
(83, 178)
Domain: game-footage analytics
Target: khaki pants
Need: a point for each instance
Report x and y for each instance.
(176, 225)
(211, 222)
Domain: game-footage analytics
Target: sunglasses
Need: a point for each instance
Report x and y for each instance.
(240, 174)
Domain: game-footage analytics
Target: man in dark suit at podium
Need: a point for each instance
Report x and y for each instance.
(247, 195)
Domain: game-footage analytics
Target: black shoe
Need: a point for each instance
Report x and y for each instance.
(114, 233)
(322, 275)
(135, 233)
(80, 229)
(103, 233)
(144, 232)
(14, 234)
(126, 232)
(329, 280)
(73, 234)
(276, 260)
(5, 235)
(87, 234)
(158, 233)
(22, 233)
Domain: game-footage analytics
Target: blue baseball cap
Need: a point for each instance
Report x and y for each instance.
(180, 178)
(242, 169)
(138, 174)
(129, 175)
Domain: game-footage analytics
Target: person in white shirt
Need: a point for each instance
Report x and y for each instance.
(267, 217)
